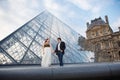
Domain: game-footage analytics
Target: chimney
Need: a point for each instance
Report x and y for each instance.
(87, 24)
(106, 18)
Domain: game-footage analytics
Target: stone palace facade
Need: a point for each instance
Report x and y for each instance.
(102, 40)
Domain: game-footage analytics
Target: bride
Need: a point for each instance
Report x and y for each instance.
(46, 54)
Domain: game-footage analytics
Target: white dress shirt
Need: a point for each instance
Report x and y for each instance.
(59, 46)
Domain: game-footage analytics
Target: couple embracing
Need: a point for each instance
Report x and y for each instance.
(47, 51)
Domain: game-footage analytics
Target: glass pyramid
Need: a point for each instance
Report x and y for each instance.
(24, 45)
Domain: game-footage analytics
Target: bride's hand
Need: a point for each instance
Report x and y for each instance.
(52, 51)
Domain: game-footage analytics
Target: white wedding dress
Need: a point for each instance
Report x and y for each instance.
(46, 57)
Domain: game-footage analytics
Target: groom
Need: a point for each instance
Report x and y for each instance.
(60, 50)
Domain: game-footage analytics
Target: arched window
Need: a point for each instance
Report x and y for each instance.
(119, 43)
(97, 34)
(119, 53)
(106, 45)
(109, 55)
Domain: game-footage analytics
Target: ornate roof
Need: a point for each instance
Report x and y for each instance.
(96, 21)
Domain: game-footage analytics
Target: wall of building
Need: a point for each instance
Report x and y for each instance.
(103, 42)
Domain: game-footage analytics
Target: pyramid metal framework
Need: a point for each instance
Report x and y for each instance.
(24, 45)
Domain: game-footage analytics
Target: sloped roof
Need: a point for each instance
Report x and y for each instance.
(97, 21)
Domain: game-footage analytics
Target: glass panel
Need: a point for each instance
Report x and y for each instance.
(30, 58)
(36, 48)
(8, 43)
(23, 37)
(4, 59)
(17, 51)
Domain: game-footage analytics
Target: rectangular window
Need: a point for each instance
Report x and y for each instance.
(119, 43)
(107, 45)
(97, 33)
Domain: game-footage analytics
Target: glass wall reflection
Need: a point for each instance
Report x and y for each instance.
(24, 45)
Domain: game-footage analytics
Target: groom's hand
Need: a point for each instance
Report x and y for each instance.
(61, 50)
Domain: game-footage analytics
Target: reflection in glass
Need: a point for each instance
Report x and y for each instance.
(24, 45)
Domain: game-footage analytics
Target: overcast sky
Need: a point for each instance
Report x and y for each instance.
(75, 13)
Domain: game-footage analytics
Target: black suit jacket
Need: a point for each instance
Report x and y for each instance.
(62, 47)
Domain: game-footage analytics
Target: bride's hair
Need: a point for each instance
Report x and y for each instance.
(46, 44)
(46, 40)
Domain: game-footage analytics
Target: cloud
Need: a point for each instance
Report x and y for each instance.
(92, 6)
(65, 13)
(14, 14)
(85, 5)
(81, 30)
(116, 24)
(5, 28)
(58, 9)
(52, 6)
(3, 5)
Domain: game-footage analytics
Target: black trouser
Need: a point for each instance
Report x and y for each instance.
(60, 57)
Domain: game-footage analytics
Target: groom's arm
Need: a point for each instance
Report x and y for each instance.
(63, 46)
(56, 50)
